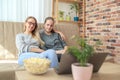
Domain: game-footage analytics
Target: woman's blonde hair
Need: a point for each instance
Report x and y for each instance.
(35, 33)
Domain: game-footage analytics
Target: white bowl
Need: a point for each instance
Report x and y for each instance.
(36, 65)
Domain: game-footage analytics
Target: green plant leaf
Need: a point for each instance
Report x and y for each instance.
(81, 52)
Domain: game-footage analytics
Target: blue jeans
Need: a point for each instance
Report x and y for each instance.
(49, 54)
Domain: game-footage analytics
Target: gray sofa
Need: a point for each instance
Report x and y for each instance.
(8, 51)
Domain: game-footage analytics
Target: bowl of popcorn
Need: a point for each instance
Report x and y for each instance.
(37, 65)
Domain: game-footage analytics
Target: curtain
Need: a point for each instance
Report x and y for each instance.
(19, 10)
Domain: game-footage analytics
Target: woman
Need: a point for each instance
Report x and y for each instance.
(52, 39)
(28, 44)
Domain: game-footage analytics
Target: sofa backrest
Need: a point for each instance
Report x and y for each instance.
(8, 31)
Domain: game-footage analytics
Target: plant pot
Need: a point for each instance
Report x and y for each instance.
(82, 72)
(61, 18)
(76, 18)
(68, 18)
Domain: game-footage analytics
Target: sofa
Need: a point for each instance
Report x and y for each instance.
(8, 50)
(8, 31)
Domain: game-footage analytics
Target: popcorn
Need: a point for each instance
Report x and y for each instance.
(37, 65)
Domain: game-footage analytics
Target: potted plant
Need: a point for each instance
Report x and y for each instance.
(75, 7)
(81, 70)
(68, 17)
(61, 15)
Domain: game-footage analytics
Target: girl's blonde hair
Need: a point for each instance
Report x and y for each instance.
(35, 33)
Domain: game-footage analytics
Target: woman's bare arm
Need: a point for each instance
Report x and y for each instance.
(36, 50)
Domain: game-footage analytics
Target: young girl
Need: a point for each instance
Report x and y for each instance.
(52, 39)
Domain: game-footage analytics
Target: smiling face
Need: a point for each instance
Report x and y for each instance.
(48, 25)
(30, 25)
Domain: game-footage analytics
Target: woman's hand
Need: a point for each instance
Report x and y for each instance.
(60, 51)
(61, 34)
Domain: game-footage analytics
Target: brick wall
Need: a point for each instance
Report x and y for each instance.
(103, 23)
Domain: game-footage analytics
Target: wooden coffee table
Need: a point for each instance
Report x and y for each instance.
(50, 75)
(108, 71)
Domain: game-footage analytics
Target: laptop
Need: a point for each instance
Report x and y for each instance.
(67, 59)
(97, 60)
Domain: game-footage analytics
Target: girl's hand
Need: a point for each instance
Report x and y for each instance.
(61, 34)
(60, 51)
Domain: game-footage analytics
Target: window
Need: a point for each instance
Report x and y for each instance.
(18, 10)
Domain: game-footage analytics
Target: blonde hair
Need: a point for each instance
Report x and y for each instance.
(35, 33)
(39, 38)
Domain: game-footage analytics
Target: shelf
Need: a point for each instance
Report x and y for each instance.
(70, 1)
(56, 8)
(78, 22)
